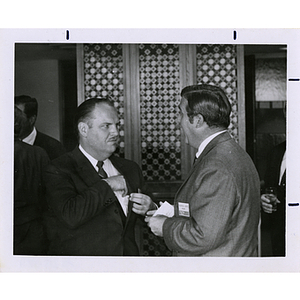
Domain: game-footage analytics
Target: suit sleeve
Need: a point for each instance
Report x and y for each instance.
(72, 204)
(213, 198)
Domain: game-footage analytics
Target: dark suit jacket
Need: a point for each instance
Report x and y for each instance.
(29, 235)
(87, 215)
(223, 194)
(276, 219)
(272, 174)
(52, 146)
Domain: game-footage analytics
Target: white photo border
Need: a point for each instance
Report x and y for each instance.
(11, 263)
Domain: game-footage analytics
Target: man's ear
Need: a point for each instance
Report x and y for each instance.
(198, 120)
(32, 120)
(83, 128)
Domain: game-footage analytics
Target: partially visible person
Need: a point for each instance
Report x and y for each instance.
(217, 207)
(275, 176)
(93, 195)
(29, 162)
(29, 134)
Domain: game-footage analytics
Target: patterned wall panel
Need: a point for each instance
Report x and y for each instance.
(159, 97)
(216, 64)
(103, 76)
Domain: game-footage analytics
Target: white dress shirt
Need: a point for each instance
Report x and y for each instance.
(31, 137)
(110, 170)
(282, 167)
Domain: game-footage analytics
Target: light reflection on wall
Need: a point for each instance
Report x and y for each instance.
(270, 79)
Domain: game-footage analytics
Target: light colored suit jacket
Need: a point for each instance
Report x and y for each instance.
(222, 192)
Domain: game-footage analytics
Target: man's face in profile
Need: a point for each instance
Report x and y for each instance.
(27, 124)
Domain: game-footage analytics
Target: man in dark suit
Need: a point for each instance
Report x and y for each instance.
(29, 162)
(93, 194)
(217, 206)
(275, 176)
(30, 135)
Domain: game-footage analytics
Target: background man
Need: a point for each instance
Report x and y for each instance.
(275, 176)
(29, 198)
(30, 135)
(92, 193)
(217, 206)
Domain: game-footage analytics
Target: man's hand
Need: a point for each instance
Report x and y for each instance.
(156, 223)
(117, 184)
(266, 205)
(141, 203)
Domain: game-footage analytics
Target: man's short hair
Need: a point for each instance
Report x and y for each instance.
(30, 105)
(85, 109)
(210, 101)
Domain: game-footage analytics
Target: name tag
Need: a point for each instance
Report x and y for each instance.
(184, 209)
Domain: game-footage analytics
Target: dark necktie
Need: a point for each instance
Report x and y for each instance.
(101, 172)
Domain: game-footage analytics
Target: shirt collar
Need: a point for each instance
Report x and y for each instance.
(206, 141)
(92, 160)
(29, 139)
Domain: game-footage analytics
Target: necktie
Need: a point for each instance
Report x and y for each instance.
(101, 172)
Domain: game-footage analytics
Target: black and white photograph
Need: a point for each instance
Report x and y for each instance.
(150, 150)
(147, 97)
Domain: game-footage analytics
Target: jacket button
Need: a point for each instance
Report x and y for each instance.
(116, 211)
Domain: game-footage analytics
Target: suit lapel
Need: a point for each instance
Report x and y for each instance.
(89, 175)
(218, 139)
(84, 168)
(120, 167)
(122, 170)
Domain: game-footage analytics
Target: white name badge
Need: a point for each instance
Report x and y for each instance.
(183, 209)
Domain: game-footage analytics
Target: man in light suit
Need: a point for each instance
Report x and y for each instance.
(217, 206)
(29, 134)
(93, 195)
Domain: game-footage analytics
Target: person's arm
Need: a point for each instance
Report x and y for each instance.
(211, 207)
(72, 204)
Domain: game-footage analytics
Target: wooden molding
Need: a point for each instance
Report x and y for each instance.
(80, 73)
(132, 137)
(241, 96)
(188, 72)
